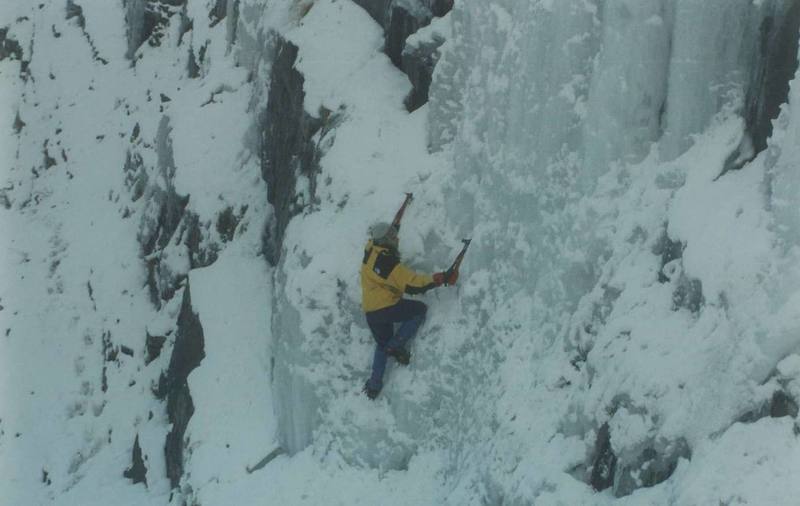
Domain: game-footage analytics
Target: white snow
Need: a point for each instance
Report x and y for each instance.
(619, 272)
(233, 423)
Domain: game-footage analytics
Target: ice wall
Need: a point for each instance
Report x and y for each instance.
(540, 99)
(590, 141)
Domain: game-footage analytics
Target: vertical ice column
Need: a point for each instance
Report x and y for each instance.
(784, 170)
(512, 82)
(511, 91)
(713, 46)
(296, 402)
(629, 84)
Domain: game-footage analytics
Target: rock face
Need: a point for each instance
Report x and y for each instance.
(400, 19)
(418, 62)
(147, 19)
(649, 465)
(776, 65)
(171, 245)
(653, 465)
(137, 473)
(779, 405)
(9, 48)
(173, 240)
(187, 354)
(288, 149)
(604, 464)
(165, 211)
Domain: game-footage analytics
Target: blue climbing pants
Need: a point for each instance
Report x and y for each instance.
(409, 314)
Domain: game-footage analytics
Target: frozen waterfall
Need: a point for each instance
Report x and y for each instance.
(186, 190)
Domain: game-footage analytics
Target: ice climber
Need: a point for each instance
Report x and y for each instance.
(384, 281)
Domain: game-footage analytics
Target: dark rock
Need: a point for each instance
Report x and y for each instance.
(147, 20)
(399, 20)
(181, 409)
(202, 252)
(192, 68)
(162, 283)
(287, 149)
(9, 48)
(189, 349)
(233, 22)
(90, 290)
(418, 63)
(604, 462)
(24, 70)
(782, 404)
(377, 9)
(165, 220)
(779, 405)
(218, 12)
(76, 11)
(49, 161)
(227, 221)
(171, 210)
(201, 54)
(171, 206)
(688, 294)
(154, 345)
(164, 98)
(776, 64)
(188, 352)
(138, 471)
(125, 350)
(135, 175)
(668, 250)
(381, 10)
(655, 464)
(109, 355)
(402, 23)
(18, 124)
(440, 7)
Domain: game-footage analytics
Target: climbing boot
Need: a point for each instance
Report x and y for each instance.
(400, 354)
(371, 392)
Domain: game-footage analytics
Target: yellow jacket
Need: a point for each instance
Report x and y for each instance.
(384, 279)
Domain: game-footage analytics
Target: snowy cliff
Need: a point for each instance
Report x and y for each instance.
(186, 189)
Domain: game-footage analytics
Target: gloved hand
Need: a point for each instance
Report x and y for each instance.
(452, 279)
(438, 278)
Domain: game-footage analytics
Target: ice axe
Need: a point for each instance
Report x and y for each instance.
(399, 215)
(448, 274)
